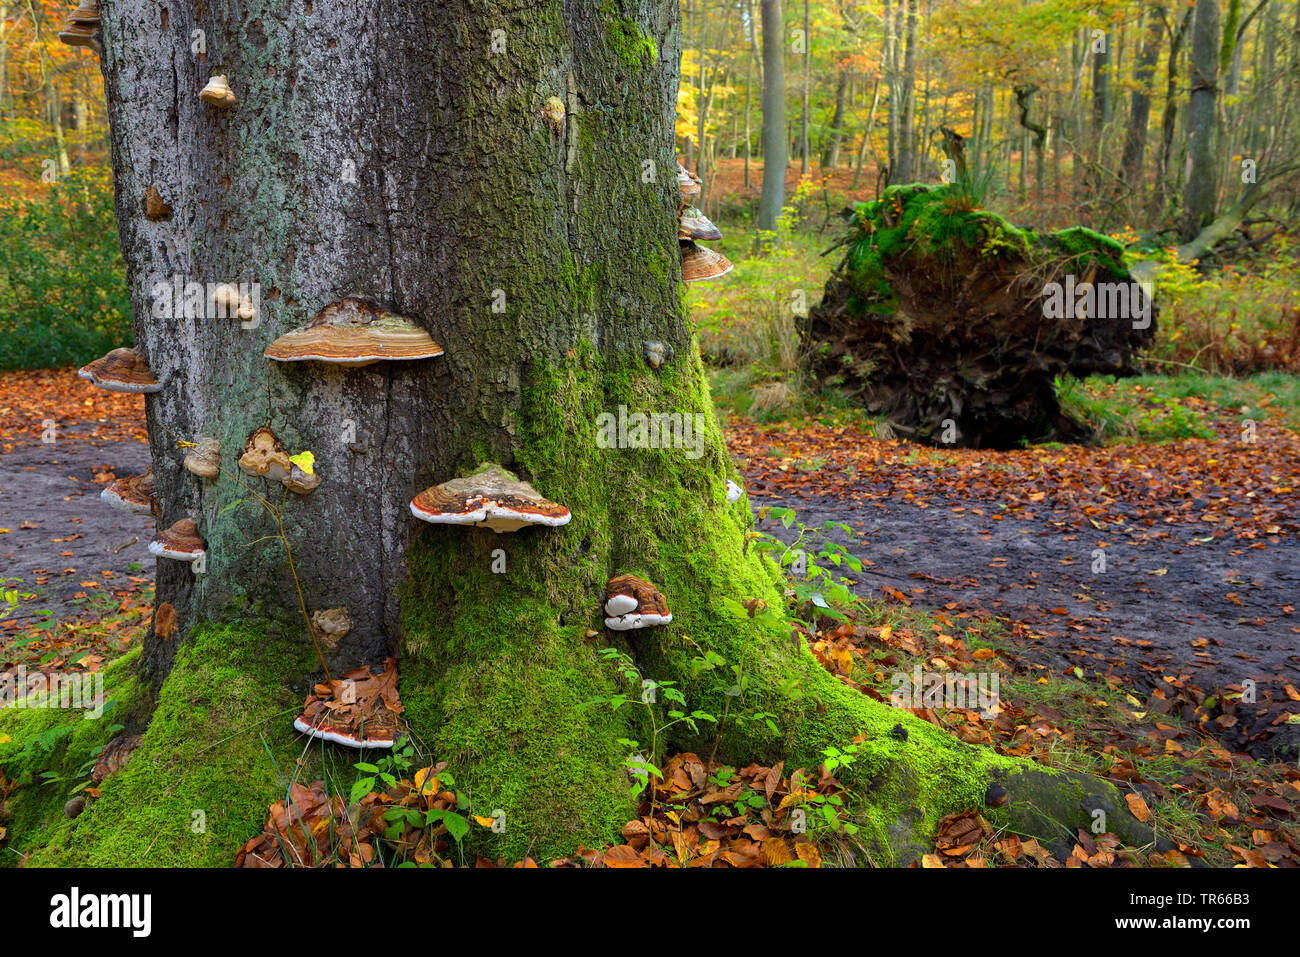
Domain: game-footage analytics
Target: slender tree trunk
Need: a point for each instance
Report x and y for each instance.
(1200, 198)
(1169, 118)
(831, 155)
(804, 92)
(1135, 141)
(774, 132)
(907, 146)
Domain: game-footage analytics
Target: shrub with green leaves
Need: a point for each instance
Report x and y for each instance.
(63, 295)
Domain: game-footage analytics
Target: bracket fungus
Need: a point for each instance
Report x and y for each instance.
(693, 224)
(122, 370)
(700, 263)
(82, 28)
(155, 207)
(491, 497)
(657, 353)
(300, 481)
(359, 710)
(218, 93)
(134, 494)
(331, 625)
(734, 491)
(354, 331)
(204, 460)
(229, 302)
(687, 181)
(265, 457)
(632, 603)
(181, 542)
(554, 113)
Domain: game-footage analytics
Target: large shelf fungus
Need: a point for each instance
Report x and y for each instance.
(632, 602)
(122, 370)
(354, 331)
(134, 493)
(359, 710)
(181, 542)
(491, 497)
(700, 263)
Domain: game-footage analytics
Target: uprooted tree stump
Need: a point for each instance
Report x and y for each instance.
(954, 325)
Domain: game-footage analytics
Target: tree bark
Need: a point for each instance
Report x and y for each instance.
(1135, 141)
(775, 156)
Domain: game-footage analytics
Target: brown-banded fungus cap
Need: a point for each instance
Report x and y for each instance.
(693, 224)
(87, 12)
(632, 602)
(354, 331)
(122, 370)
(218, 93)
(700, 263)
(734, 491)
(181, 542)
(135, 493)
(81, 35)
(687, 181)
(204, 460)
(359, 710)
(265, 456)
(491, 496)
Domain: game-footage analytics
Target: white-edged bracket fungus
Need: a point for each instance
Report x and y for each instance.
(700, 263)
(734, 491)
(491, 497)
(632, 603)
(181, 542)
(359, 710)
(693, 224)
(265, 457)
(204, 460)
(122, 370)
(134, 494)
(354, 331)
(218, 93)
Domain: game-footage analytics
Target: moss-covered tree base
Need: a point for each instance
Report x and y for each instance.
(954, 324)
(499, 668)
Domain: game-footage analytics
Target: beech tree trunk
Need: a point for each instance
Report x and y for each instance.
(775, 149)
(405, 152)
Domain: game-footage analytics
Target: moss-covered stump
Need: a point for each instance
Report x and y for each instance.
(953, 324)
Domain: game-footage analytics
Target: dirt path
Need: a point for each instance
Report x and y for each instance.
(59, 538)
(1182, 604)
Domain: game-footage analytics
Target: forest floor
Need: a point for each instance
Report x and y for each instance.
(974, 561)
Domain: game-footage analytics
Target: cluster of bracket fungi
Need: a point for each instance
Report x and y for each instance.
(358, 331)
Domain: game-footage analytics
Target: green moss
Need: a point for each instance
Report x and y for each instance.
(49, 752)
(626, 40)
(219, 749)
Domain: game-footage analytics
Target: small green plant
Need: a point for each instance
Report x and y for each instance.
(811, 563)
(645, 695)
